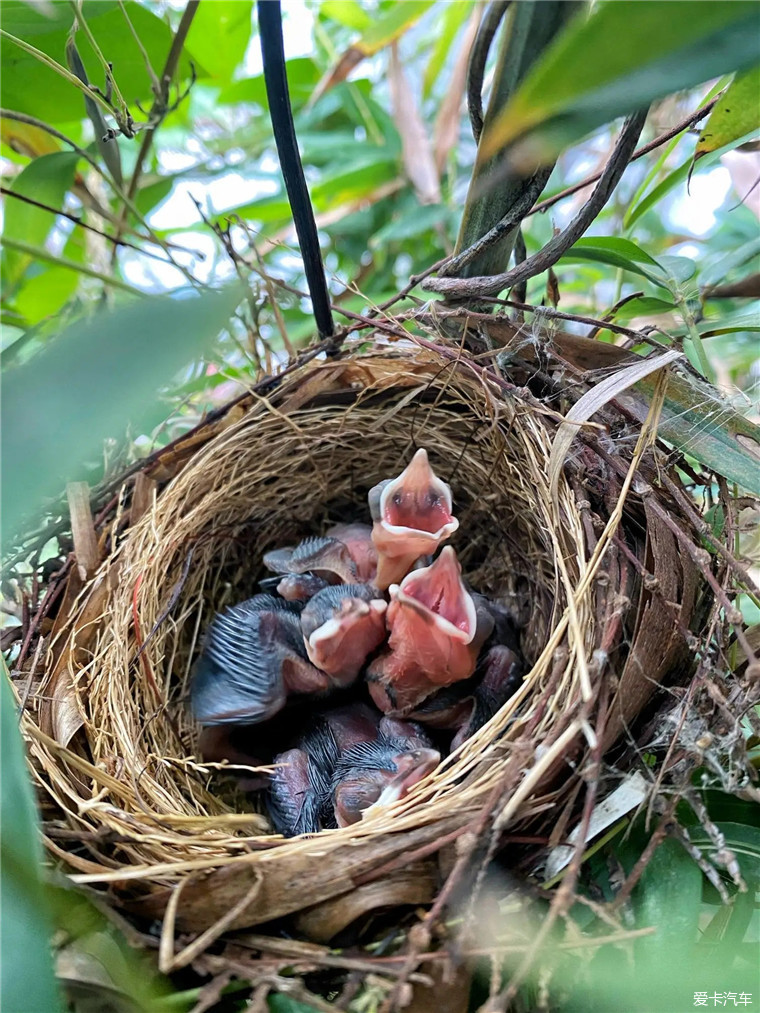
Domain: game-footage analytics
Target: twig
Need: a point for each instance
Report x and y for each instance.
(684, 124)
(476, 70)
(516, 213)
(158, 109)
(82, 224)
(556, 247)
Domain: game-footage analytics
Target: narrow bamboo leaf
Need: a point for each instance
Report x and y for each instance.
(55, 417)
(746, 319)
(345, 12)
(734, 115)
(617, 252)
(26, 970)
(47, 179)
(389, 27)
(454, 16)
(644, 306)
(587, 78)
(715, 272)
(699, 423)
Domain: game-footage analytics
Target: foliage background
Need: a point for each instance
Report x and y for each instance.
(388, 156)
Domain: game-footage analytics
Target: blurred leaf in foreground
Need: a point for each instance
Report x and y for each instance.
(587, 78)
(27, 982)
(55, 413)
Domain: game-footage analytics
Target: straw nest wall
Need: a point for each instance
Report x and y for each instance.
(128, 805)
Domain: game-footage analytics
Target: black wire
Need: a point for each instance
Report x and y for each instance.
(275, 76)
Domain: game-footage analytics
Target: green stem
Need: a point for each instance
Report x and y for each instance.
(696, 338)
(54, 66)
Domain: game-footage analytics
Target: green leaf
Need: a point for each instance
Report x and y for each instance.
(670, 182)
(96, 378)
(715, 272)
(620, 57)
(391, 25)
(745, 319)
(30, 87)
(734, 116)
(669, 896)
(303, 74)
(26, 981)
(219, 36)
(644, 306)
(44, 293)
(279, 1003)
(617, 252)
(698, 421)
(46, 179)
(454, 16)
(345, 12)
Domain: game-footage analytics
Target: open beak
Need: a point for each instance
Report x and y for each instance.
(436, 602)
(412, 515)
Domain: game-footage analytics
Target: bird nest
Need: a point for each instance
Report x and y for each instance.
(583, 564)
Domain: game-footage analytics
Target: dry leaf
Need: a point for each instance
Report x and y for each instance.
(415, 143)
(597, 398)
(446, 129)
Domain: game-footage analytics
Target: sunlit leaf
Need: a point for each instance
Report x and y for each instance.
(666, 48)
(345, 12)
(385, 29)
(46, 180)
(734, 116)
(30, 87)
(219, 36)
(454, 16)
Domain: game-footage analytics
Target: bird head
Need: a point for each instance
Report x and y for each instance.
(412, 516)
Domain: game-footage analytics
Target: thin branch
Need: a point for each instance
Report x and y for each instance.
(48, 61)
(556, 247)
(514, 217)
(158, 109)
(684, 124)
(10, 114)
(478, 58)
(81, 223)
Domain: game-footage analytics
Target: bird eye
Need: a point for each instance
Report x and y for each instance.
(433, 500)
(396, 499)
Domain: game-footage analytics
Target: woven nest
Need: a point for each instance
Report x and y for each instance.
(130, 808)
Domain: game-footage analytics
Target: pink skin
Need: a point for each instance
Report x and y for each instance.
(358, 540)
(341, 645)
(436, 633)
(412, 515)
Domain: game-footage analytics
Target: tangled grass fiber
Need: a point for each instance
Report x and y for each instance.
(604, 598)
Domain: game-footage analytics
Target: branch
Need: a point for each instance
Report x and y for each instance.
(476, 71)
(555, 248)
(684, 124)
